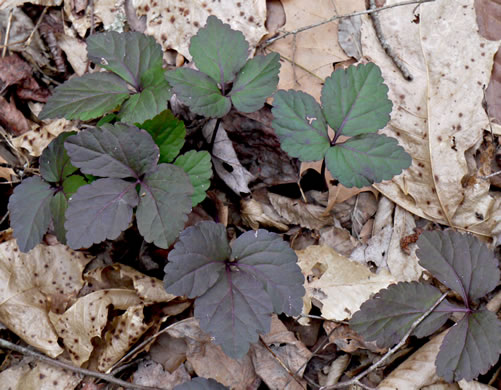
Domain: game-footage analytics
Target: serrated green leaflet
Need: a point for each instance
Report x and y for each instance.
(86, 97)
(55, 163)
(256, 81)
(129, 54)
(355, 100)
(300, 124)
(199, 168)
(219, 51)
(145, 105)
(366, 159)
(71, 184)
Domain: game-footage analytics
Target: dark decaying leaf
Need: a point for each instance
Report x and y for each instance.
(128, 54)
(118, 150)
(55, 165)
(470, 347)
(366, 159)
(197, 164)
(300, 125)
(197, 260)
(168, 132)
(86, 97)
(165, 201)
(390, 314)
(355, 100)
(460, 261)
(58, 206)
(99, 211)
(199, 92)
(29, 208)
(219, 51)
(201, 384)
(256, 81)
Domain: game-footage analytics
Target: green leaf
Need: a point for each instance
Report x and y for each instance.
(165, 201)
(145, 105)
(219, 51)
(129, 54)
(256, 81)
(300, 124)
(29, 208)
(106, 119)
(72, 183)
(168, 132)
(390, 314)
(86, 97)
(55, 165)
(58, 206)
(366, 159)
(470, 348)
(199, 92)
(199, 168)
(355, 100)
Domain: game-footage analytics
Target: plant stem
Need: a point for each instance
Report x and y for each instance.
(214, 133)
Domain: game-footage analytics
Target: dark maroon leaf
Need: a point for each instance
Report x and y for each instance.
(118, 150)
(99, 211)
(470, 348)
(201, 384)
(55, 165)
(460, 261)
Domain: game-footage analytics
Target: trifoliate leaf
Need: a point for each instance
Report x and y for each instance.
(355, 100)
(271, 260)
(118, 150)
(58, 206)
(55, 165)
(234, 312)
(201, 384)
(128, 54)
(72, 183)
(460, 261)
(219, 51)
(300, 124)
(86, 97)
(470, 347)
(197, 260)
(256, 81)
(168, 132)
(29, 208)
(199, 168)
(165, 201)
(99, 211)
(199, 92)
(366, 159)
(390, 314)
(145, 105)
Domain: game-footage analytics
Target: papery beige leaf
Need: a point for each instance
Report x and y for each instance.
(338, 239)
(87, 318)
(347, 340)
(28, 281)
(336, 369)
(417, 370)
(104, 11)
(7, 4)
(292, 353)
(150, 373)
(349, 36)
(76, 52)
(474, 385)
(441, 386)
(438, 117)
(169, 351)
(175, 22)
(336, 284)
(255, 215)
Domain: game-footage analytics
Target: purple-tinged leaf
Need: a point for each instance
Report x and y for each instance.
(199, 92)
(197, 164)
(256, 81)
(300, 124)
(118, 151)
(234, 311)
(55, 165)
(99, 211)
(459, 261)
(355, 100)
(470, 347)
(219, 51)
(165, 201)
(29, 208)
(270, 259)
(86, 97)
(197, 260)
(390, 314)
(128, 54)
(201, 384)
(58, 206)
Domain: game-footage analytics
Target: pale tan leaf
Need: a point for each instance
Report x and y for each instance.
(348, 340)
(75, 50)
(255, 215)
(441, 386)
(349, 36)
(336, 369)
(104, 11)
(170, 352)
(338, 239)
(7, 4)
(150, 373)
(474, 385)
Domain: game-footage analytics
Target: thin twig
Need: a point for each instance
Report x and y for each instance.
(7, 33)
(67, 366)
(334, 18)
(28, 41)
(356, 380)
(491, 175)
(385, 45)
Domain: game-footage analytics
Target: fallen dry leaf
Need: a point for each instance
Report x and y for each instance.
(339, 239)
(104, 11)
(170, 352)
(349, 36)
(488, 18)
(348, 340)
(474, 385)
(75, 50)
(150, 373)
(7, 4)
(11, 118)
(255, 214)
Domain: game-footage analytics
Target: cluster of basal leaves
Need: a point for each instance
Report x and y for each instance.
(354, 104)
(466, 266)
